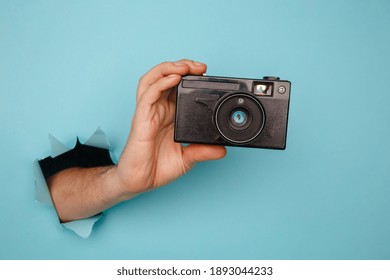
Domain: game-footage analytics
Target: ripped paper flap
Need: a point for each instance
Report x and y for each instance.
(82, 227)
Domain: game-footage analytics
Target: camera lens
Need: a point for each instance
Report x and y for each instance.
(239, 117)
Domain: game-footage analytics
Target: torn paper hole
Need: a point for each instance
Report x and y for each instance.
(81, 227)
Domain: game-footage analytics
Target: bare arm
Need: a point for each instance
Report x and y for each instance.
(150, 159)
(83, 192)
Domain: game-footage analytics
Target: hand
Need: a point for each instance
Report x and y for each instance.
(151, 158)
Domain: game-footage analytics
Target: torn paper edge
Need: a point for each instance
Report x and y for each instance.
(82, 227)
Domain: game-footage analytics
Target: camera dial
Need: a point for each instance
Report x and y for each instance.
(239, 117)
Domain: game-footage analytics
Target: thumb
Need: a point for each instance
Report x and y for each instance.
(194, 153)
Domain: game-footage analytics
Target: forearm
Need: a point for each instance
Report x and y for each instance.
(79, 193)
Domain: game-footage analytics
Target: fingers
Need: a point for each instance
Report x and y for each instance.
(156, 90)
(181, 67)
(194, 153)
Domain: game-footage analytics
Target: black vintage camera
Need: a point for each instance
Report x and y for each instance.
(232, 111)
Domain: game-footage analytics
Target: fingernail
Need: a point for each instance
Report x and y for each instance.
(179, 63)
(172, 76)
(198, 63)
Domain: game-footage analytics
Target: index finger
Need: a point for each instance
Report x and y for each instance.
(181, 67)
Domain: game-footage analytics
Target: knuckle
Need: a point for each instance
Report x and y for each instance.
(142, 79)
(184, 60)
(164, 63)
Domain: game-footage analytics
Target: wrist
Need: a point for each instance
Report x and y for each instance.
(121, 190)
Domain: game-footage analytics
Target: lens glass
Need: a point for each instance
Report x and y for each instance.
(239, 117)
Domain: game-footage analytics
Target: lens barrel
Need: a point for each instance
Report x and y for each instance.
(239, 117)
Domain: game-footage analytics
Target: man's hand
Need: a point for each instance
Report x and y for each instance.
(150, 159)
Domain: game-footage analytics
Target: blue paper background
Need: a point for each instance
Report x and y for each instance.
(67, 67)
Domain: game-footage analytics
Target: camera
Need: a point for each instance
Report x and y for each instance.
(232, 111)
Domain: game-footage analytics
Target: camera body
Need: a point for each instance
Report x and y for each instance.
(232, 111)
